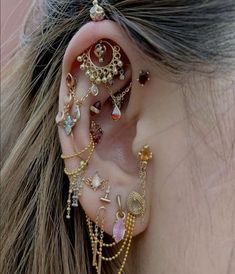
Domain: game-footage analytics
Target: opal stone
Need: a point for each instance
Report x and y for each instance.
(116, 113)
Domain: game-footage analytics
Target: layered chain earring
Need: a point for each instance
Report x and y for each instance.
(101, 71)
(75, 175)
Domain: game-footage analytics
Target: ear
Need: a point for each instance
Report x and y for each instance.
(114, 158)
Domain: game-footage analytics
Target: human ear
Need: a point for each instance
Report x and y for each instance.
(112, 163)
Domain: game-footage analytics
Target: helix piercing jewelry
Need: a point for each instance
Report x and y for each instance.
(105, 71)
(65, 118)
(136, 203)
(78, 154)
(144, 76)
(119, 228)
(97, 12)
(95, 182)
(106, 198)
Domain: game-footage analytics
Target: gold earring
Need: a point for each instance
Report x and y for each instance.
(119, 228)
(144, 76)
(75, 181)
(98, 74)
(95, 182)
(97, 12)
(106, 198)
(136, 203)
(96, 132)
(117, 101)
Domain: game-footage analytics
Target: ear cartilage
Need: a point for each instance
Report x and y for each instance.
(144, 76)
(106, 198)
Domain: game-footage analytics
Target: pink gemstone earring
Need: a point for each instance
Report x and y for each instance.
(119, 228)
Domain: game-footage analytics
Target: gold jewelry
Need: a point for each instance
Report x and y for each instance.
(96, 108)
(71, 113)
(118, 101)
(95, 182)
(97, 12)
(136, 201)
(78, 154)
(98, 74)
(106, 198)
(75, 181)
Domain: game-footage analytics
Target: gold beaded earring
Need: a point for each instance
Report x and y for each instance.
(101, 71)
(97, 12)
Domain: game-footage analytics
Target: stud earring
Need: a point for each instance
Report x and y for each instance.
(106, 198)
(97, 12)
(96, 108)
(96, 132)
(119, 228)
(95, 182)
(104, 73)
(144, 76)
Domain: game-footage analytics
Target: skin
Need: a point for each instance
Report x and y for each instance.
(188, 226)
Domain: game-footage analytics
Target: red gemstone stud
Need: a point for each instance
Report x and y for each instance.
(144, 76)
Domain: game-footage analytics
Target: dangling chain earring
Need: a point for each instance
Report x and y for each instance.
(118, 101)
(76, 184)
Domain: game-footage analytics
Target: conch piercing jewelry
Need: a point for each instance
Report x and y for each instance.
(97, 12)
(144, 76)
(106, 198)
(95, 182)
(102, 73)
(136, 201)
(96, 132)
(119, 228)
(118, 101)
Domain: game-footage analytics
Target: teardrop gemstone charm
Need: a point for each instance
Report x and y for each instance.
(116, 113)
(94, 90)
(119, 230)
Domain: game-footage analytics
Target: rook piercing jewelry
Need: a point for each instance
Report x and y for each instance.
(144, 76)
(106, 196)
(119, 228)
(95, 182)
(97, 12)
(98, 74)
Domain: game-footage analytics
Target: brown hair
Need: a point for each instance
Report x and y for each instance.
(178, 35)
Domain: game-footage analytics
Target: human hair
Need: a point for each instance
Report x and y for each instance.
(181, 36)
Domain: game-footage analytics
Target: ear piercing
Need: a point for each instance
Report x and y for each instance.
(98, 74)
(97, 12)
(144, 76)
(96, 132)
(136, 201)
(119, 228)
(106, 196)
(95, 182)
